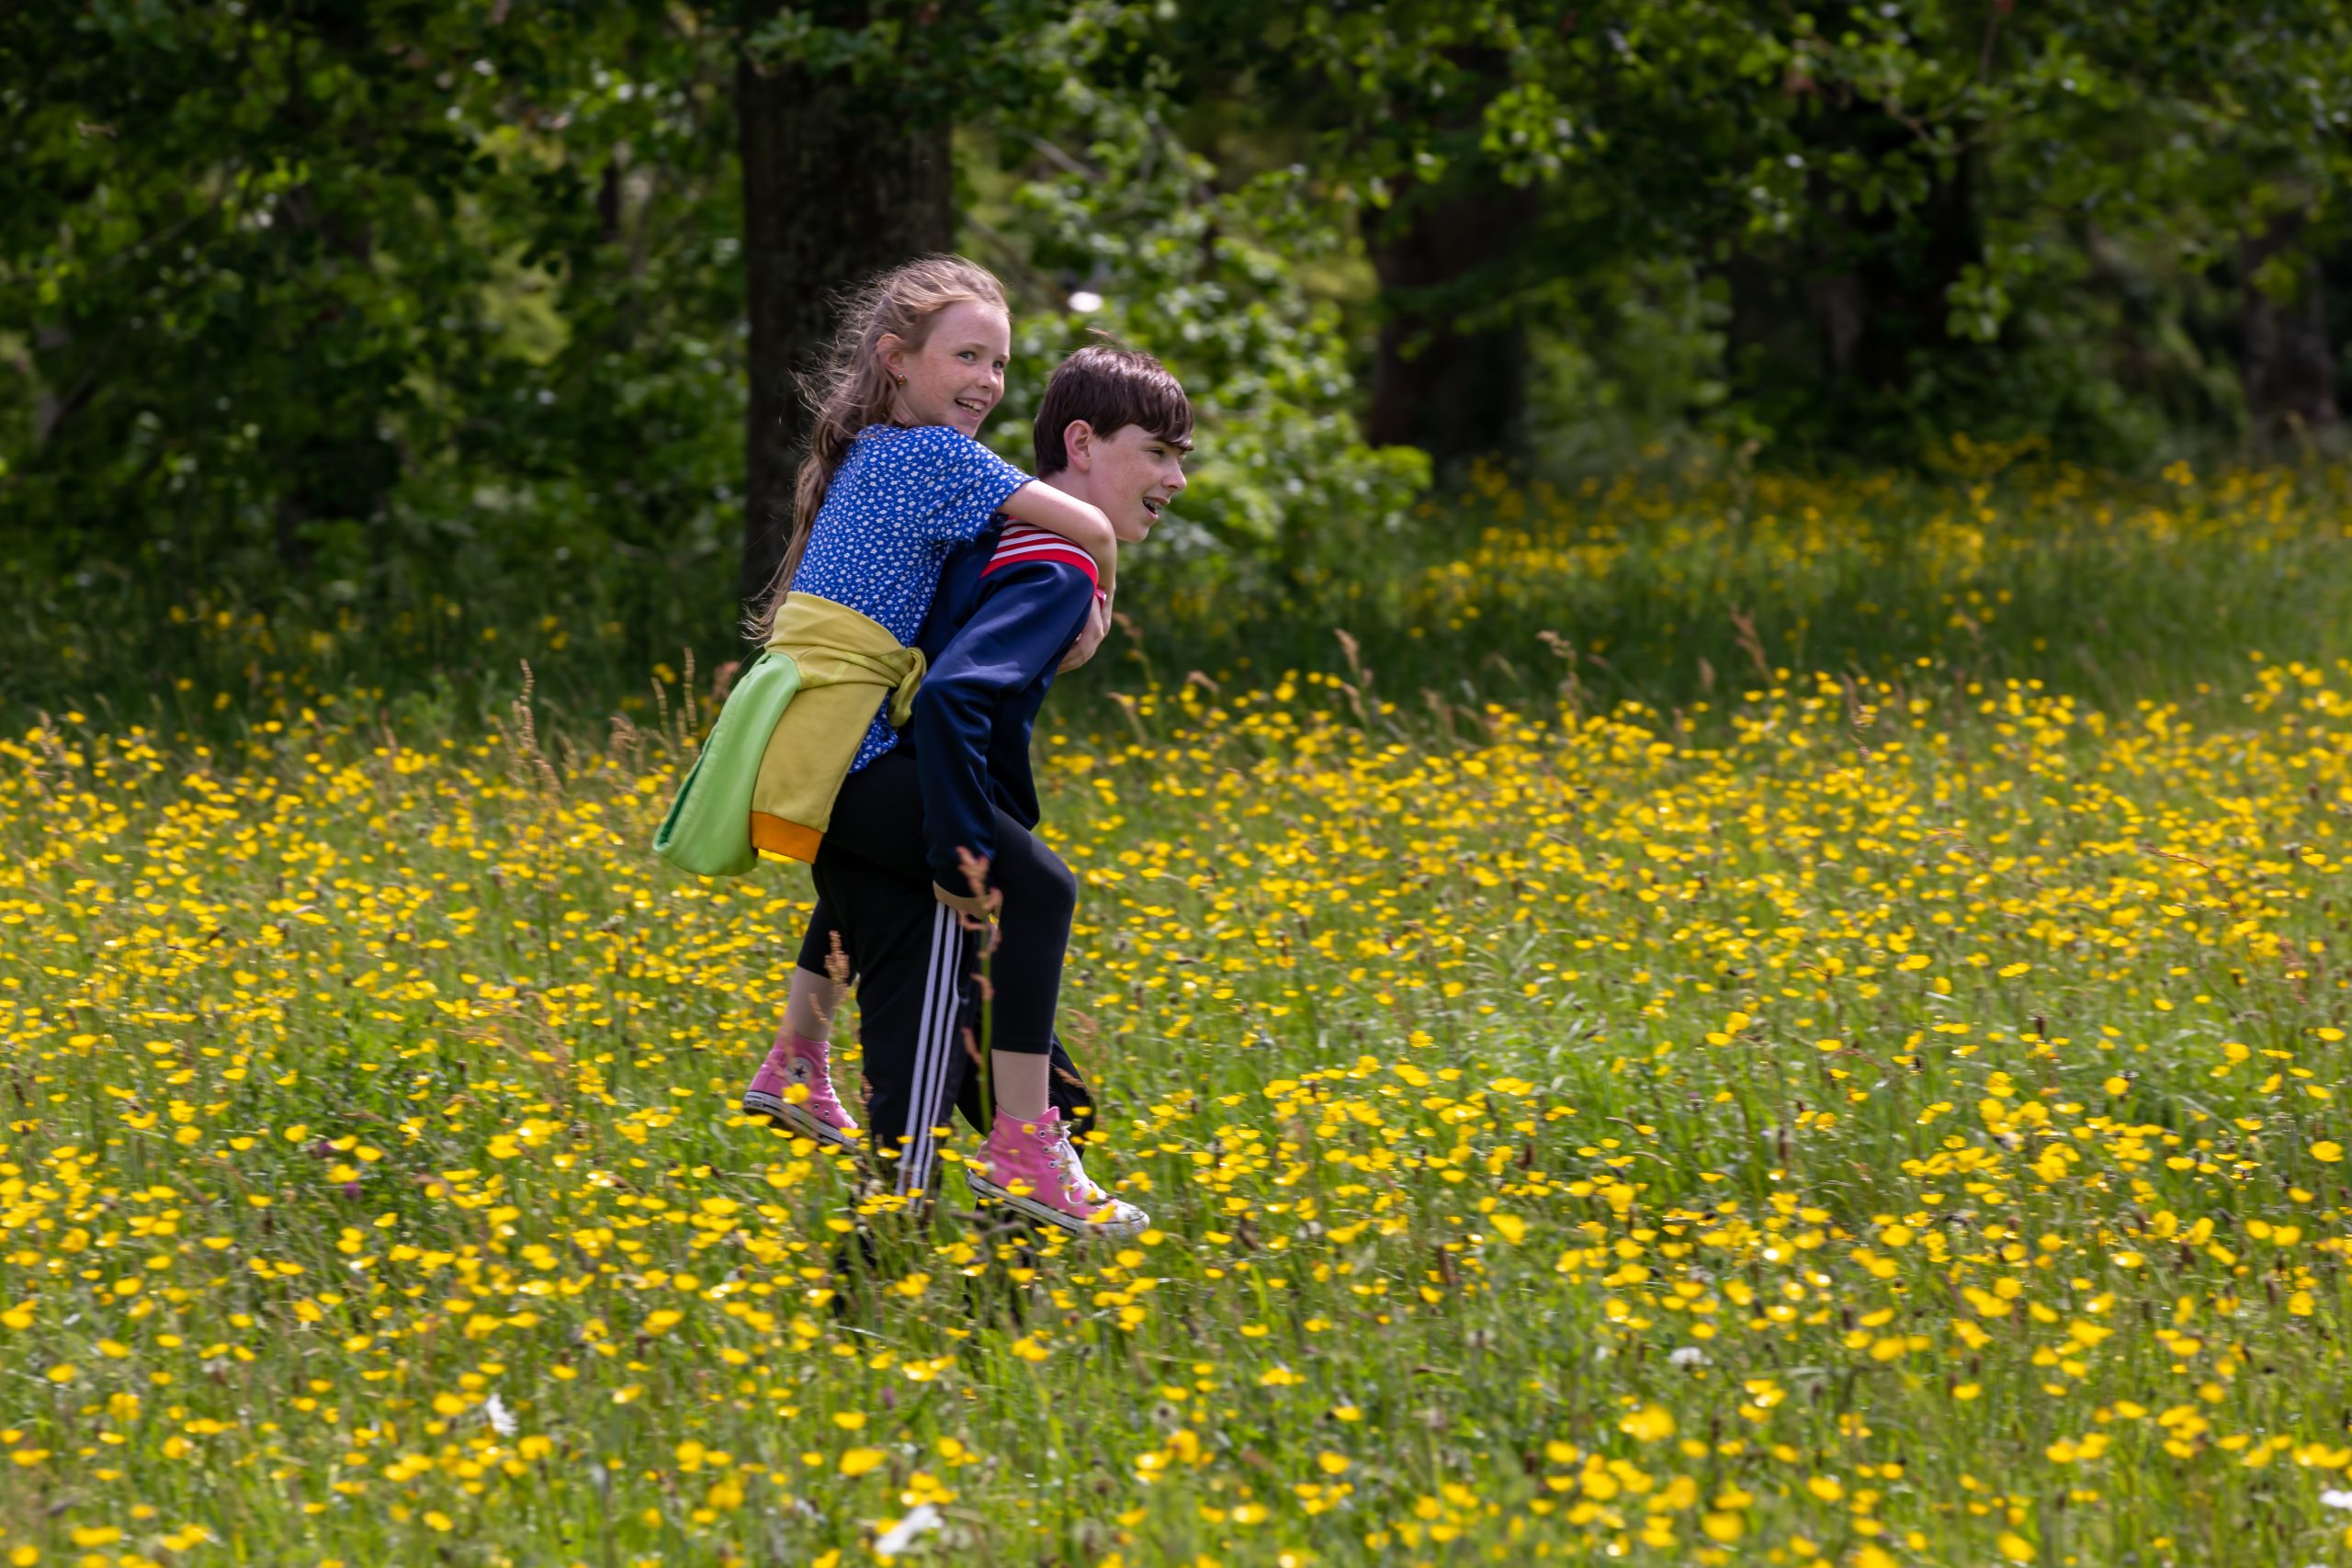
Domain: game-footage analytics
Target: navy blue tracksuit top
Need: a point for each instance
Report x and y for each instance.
(1010, 604)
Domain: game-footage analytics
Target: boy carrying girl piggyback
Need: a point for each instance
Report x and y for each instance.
(933, 591)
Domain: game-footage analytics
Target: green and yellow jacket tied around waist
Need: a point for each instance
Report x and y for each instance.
(791, 727)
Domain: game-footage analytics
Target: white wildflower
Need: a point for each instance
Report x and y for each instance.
(920, 1521)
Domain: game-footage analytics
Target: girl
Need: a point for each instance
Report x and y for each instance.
(895, 479)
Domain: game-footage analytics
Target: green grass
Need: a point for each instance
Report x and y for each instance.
(1885, 1114)
(1665, 586)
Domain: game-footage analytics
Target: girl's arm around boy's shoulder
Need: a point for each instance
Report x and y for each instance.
(1081, 523)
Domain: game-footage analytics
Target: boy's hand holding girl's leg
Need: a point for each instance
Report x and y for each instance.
(1089, 639)
(984, 905)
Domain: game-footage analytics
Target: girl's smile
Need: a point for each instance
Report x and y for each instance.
(956, 375)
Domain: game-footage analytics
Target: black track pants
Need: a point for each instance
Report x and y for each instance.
(877, 819)
(916, 968)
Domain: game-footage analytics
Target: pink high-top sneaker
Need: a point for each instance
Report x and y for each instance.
(1031, 1168)
(796, 1063)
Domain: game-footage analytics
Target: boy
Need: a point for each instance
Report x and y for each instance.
(1012, 608)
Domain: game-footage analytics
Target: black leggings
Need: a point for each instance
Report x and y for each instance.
(877, 818)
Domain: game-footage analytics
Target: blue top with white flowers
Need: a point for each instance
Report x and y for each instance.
(900, 500)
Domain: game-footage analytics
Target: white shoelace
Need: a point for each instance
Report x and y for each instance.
(1075, 1181)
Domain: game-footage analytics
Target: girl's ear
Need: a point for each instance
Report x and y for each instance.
(1077, 442)
(891, 350)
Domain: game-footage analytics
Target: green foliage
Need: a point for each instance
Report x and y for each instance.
(357, 311)
(1696, 574)
(1964, 182)
(371, 305)
(1137, 229)
(1628, 356)
(1925, 211)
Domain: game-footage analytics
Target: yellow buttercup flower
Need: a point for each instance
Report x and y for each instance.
(1893, 1093)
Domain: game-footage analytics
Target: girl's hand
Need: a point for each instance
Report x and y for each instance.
(1089, 637)
(967, 905)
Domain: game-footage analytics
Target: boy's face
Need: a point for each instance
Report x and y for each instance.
(1131, 474)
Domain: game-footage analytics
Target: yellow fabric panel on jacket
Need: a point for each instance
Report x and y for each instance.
(769, 770)
(849, 668)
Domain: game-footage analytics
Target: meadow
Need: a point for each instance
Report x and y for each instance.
(1798, 1021)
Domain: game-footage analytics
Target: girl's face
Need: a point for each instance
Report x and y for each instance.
(957, 377)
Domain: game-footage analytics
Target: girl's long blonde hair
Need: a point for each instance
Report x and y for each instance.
(851, 390)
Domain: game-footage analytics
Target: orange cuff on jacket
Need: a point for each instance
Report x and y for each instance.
(791, 839)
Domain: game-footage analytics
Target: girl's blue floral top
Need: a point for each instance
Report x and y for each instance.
(901, 500)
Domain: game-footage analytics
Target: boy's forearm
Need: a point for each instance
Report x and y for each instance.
(1106, 558)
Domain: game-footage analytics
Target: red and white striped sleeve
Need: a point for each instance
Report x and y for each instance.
(1021, 544)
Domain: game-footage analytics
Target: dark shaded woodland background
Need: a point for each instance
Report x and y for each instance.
(432, 319)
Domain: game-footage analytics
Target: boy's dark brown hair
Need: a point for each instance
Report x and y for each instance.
(1110, 388)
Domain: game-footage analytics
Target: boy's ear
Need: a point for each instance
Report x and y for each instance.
(1077, 442)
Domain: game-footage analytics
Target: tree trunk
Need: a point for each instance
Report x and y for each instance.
(333, 461)
(1456, 393)
(1830, 332)
(2289, 363)
(1904, 281)
(833, 192)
